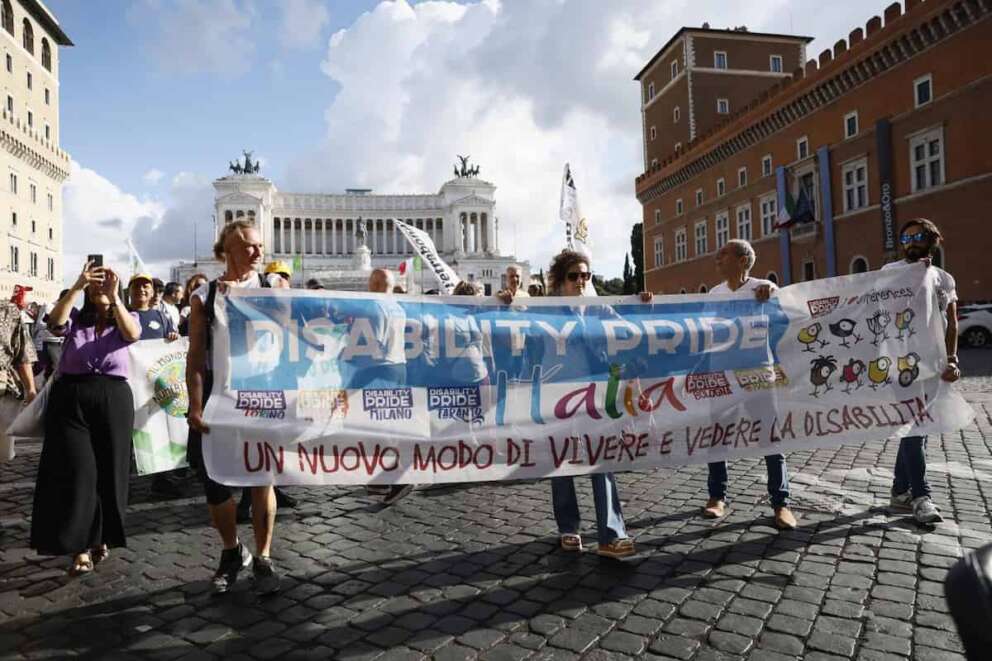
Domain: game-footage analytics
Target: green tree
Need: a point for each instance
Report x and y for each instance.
(637, 253)
(611, 287)
(628, 276)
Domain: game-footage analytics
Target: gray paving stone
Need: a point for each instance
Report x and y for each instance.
(621, 641)
(677, 647)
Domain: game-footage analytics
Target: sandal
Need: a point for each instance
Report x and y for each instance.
(618, 548)
(571, 542)
(99, 553)
(81, 566)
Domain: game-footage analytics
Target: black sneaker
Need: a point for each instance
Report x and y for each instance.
(232, 561)
(397, 492)
(266, 580)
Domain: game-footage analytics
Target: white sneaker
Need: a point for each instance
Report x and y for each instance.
(901, 501)
(924, 511)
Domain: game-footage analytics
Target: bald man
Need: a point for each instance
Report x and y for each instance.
(381, 281)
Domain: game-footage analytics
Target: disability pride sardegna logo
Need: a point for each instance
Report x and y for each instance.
(604, 360)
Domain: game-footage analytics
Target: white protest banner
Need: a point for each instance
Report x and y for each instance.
(158, 383)
(339, 388)
(422, 243)
(576, 225)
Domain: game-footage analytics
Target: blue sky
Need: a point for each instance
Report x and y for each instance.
(158, 95)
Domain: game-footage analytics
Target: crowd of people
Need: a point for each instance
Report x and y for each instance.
(81, 493)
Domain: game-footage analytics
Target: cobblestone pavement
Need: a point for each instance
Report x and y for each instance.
(473, 571)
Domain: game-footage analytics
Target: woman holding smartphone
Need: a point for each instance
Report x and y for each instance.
(81, 491)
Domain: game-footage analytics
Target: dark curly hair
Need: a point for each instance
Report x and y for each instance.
(560, 266)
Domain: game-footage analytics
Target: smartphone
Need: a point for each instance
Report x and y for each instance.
(97, 261)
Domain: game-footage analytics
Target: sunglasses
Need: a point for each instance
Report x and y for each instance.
(906, 239)
(575, 275)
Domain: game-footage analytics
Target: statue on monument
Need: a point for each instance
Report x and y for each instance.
(361, 232)
(465, 170)
(249, 166)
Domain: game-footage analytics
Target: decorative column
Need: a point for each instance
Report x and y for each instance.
(475, 233)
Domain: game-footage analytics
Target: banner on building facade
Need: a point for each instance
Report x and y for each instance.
(339, 388)
(886, 190)
(422, 243)
(158, 382)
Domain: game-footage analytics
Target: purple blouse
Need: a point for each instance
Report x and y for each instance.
(83, 352)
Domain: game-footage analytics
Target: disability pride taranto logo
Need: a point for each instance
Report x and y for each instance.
(451, 345)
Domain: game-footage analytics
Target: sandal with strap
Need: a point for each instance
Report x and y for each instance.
(99, 553)
(618, 548)
(82, 564)
(571, 542)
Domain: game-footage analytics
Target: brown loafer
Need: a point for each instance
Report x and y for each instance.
(784, 519)
(618, 548)
(715, 508)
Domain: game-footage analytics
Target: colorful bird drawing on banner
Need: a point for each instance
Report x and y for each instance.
(852, 376)
(844, 329)
(904, 320)
(878, 372)
(877, 324)
(909, 368)
(819, 374)
(809, 336)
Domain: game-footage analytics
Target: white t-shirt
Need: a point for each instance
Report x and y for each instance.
(943, 283)
(749, 285)
(203, 290)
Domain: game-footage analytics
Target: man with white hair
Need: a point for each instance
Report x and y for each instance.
(734, 262)
(514, 282)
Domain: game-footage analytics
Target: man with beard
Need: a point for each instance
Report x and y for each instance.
(919, 239)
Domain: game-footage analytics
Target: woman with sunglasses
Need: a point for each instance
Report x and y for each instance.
(918, 240)
(570, 275)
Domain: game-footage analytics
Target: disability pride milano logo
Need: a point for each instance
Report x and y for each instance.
(588, 344)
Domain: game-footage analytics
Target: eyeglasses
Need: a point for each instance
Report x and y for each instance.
(910, 238)
(575, 275)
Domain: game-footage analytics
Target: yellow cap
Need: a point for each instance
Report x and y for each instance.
(281, 268)
(139, 276)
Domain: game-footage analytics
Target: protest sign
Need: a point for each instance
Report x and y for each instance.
(158, 383)
(339, 388)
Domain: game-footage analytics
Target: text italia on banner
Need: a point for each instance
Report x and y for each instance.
(319, 387)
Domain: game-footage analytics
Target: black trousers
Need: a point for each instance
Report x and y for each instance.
(81, 493)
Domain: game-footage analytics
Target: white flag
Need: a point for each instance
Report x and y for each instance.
(576, 225)
(422, 243)
(134, 260)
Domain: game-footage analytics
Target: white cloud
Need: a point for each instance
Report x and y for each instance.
(97, 217)
(153, 176)
(521, 86)
(194, 36)
(302, 23)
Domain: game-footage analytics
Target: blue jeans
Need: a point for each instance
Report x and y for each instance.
(911, 467)
(778, 480)
(609, 514)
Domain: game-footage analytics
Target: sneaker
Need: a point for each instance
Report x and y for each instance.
(715, 508)
(901, 501)
(397, 492)
(232, 561)
(924, 511)
(784, 518)
(266, 580)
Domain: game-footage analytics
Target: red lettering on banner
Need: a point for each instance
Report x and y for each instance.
(460, 455)
(267, 456)
(348, 459)
(666, 443)
(586, 395)
(667, 388)
(517, 455)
